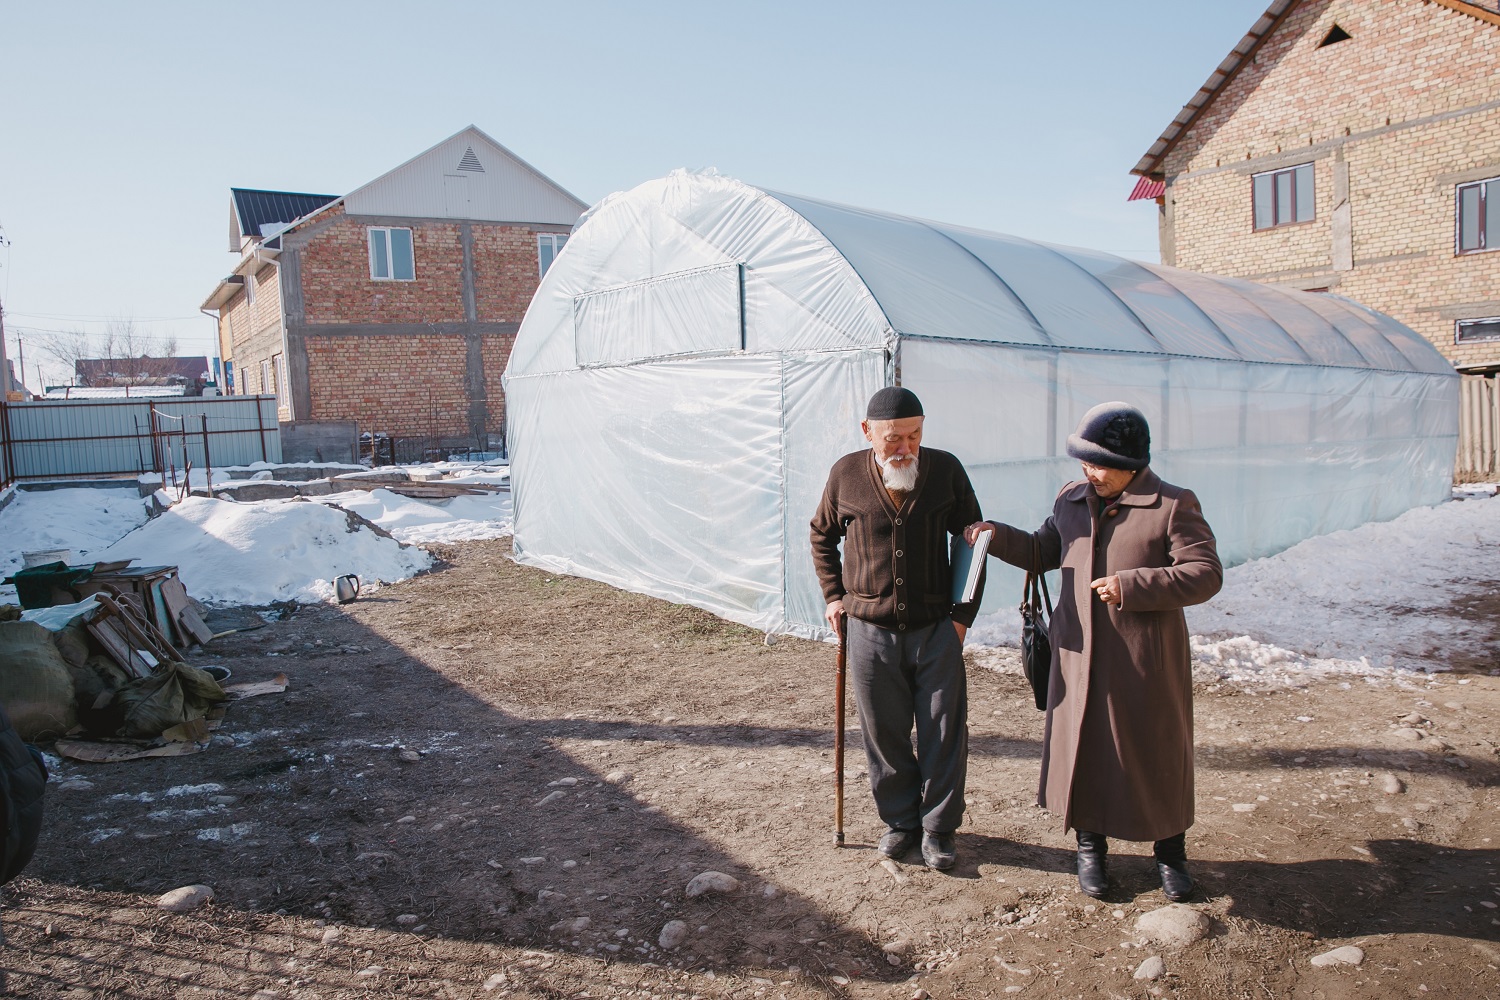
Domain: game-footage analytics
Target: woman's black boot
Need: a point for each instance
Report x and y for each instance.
(1093, 869)
(1171, 864)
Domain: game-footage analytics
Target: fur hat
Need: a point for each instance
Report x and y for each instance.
(893, 403)
(1113, 435)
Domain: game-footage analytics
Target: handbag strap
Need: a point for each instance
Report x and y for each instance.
(1036, 582)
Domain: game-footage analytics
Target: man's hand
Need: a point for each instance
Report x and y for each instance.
(962, 631)
(835, 616)
(972, 531)
(1108, 589)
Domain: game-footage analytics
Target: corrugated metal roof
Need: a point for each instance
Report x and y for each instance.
(253, 209)
(1146, 187)
(90, 369)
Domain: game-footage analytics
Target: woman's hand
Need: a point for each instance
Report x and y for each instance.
(1108, 589)
(973, 530)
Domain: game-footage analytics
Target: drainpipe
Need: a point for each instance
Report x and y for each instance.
(218, 345)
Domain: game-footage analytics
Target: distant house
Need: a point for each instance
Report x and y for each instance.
(191, 373)
(394, 306)
(1350, 146)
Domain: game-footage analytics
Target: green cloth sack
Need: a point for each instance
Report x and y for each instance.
(36, 687)
(174, 694)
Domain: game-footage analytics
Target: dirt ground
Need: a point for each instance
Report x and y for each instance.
(492, 782)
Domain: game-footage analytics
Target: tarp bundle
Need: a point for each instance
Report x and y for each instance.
(701, 351)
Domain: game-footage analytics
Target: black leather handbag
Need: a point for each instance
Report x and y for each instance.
(1036, 647)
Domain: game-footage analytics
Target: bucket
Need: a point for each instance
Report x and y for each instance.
(43, 556)
(346, 588)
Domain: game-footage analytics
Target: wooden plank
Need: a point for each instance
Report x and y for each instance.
(173, 597)
(103, 629)
(190, 623)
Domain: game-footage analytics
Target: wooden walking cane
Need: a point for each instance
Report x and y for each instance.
(838, 735)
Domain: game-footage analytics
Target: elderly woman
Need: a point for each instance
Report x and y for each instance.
(1117, 754)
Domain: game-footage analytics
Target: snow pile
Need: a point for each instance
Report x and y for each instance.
(83, 519)
(1366, 601)
(273, 550)
(415, 521)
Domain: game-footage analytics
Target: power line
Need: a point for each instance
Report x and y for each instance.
(96, 318)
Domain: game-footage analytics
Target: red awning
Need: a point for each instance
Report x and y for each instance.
(1147, 188)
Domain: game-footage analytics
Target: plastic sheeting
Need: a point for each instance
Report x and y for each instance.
(701, 351)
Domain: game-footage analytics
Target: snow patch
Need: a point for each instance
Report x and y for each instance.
(273, 550)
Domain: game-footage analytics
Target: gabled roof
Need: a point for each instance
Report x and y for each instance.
(251, 209)
(1243, 53)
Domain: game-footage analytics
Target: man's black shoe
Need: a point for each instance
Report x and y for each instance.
(896, 843)
(1175, 880)
(1093, 865)
(938, 850)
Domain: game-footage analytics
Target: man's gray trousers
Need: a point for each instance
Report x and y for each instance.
(900, 678)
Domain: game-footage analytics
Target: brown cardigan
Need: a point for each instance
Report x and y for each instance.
(894, 571)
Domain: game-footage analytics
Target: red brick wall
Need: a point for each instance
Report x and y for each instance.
(409, 385)
(337, 287)
(505, 275)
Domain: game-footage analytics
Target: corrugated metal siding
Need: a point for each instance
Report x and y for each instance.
(433, 187)
(83, 438)
(1478, 430)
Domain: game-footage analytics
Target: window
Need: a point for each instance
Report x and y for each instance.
(1471, 331)
(278, 366)
(1479, 216)
(1283, 197)
(249, 289)
(390, 254)
(267, 383)
(547, 247)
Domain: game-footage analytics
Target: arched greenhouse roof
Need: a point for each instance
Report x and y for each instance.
(950, 282)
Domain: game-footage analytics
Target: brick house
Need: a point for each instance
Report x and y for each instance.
(1351, 146)
(394, 307)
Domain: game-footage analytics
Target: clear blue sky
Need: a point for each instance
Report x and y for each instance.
(123, 126)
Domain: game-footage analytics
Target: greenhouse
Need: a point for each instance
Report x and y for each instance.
(702, 350)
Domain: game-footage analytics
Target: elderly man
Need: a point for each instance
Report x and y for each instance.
(895, 506)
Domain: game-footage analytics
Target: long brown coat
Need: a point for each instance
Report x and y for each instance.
(1117, 754)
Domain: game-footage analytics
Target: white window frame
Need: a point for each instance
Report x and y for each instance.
(1488, 241)
(278, 369)
(554, 243)
(1312, 193)
(267, 378)
(249, 289)
(1488, 338)
(380, 237)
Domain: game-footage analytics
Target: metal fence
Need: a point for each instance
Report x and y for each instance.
(101, 438)
(1478, 430)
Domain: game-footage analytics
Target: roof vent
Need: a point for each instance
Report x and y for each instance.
(471, 162)
(1335, 34)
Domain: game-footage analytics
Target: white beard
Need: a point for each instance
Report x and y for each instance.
(902, 478)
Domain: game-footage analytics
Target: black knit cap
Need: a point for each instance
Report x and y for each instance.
(893, 403)
(1113, 435)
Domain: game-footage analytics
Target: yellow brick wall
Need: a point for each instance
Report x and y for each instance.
(251, 333)
(1411, 105)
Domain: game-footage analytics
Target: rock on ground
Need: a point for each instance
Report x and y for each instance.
(187, 898)
(673, 933)
(712, 882)
(1151, 969)
(1347, 955)
(1173, 925)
